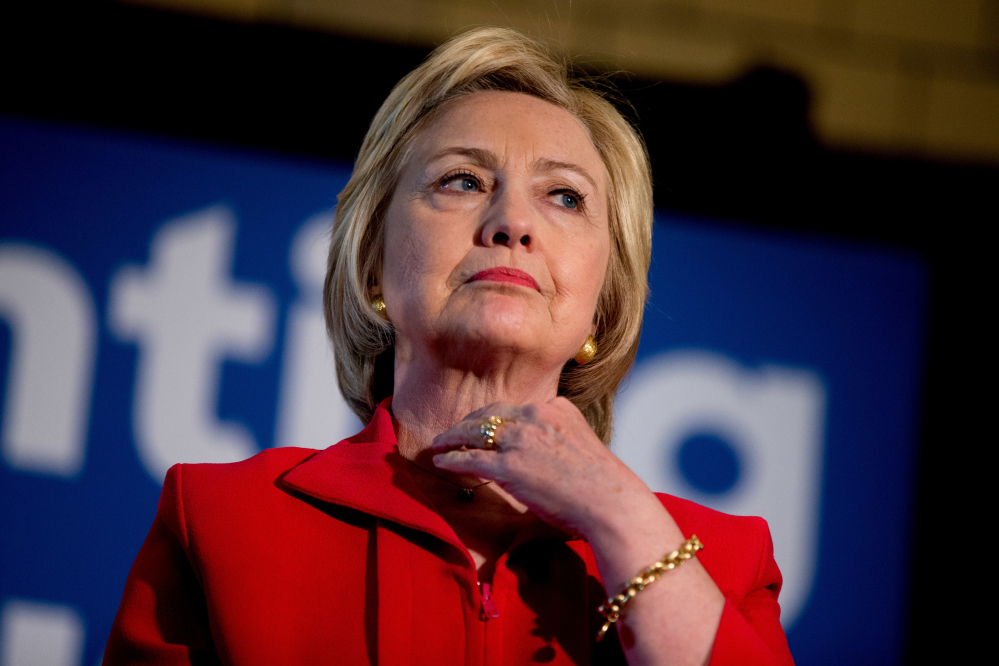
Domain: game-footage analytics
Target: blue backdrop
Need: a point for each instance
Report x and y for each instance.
(140, 277)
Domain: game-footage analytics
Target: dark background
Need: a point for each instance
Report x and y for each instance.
(743, 152)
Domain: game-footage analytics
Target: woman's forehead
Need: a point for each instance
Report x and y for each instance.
(503, 126)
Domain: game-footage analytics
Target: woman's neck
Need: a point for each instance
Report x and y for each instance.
(427, 400)
(429, 397)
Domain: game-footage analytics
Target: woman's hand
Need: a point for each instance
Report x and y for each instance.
(548, 458)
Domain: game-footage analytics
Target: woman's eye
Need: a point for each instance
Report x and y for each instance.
(568, 200)
(462, 184)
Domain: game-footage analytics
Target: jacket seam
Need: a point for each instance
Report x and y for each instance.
(356, 507)
(762, 552)
(186, 535)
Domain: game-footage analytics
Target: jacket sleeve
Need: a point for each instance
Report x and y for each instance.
(750, 631)
(163, 617)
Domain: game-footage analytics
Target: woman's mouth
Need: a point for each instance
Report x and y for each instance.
(508, 275)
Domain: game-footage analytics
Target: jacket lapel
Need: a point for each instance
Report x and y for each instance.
(365, 472)
(395, 596)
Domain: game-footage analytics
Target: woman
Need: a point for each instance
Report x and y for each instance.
(484, 296)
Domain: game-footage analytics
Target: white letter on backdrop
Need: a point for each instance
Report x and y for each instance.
(53, 326)
(187, 317)
(311, 411)
(40, 634)
(773, 417)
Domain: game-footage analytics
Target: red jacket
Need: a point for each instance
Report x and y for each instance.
(335, 557)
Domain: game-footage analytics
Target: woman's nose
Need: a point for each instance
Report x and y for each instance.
(509, 222)
(502, 238)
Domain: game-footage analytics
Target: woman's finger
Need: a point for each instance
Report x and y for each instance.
(448, 442)
(472, 461)
(468, 431)
(455, 439)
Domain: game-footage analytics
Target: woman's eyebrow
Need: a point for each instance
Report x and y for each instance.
(488, 159)
(485, 158)
(543, 164)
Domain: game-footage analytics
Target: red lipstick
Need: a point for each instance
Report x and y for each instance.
(509, 275)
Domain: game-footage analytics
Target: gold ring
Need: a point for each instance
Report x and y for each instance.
(488, 431)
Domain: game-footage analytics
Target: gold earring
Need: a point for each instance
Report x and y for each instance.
(587, 352)
(378, 305)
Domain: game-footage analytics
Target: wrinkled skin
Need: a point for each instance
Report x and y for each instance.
(504, 180)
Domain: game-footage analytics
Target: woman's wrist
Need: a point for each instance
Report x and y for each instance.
(629, 536)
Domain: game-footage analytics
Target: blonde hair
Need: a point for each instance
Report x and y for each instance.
(493, 59)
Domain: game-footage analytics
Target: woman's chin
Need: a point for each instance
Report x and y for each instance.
(490, 342)
(497, 318)
(496, 325)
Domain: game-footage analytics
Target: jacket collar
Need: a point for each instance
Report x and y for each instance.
(366, 472)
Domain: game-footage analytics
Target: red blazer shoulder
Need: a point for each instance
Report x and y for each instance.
(739, 555)
(241, 535)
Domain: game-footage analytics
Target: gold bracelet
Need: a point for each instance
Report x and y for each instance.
(613, 608)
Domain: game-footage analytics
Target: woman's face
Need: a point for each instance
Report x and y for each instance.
(497, 235)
